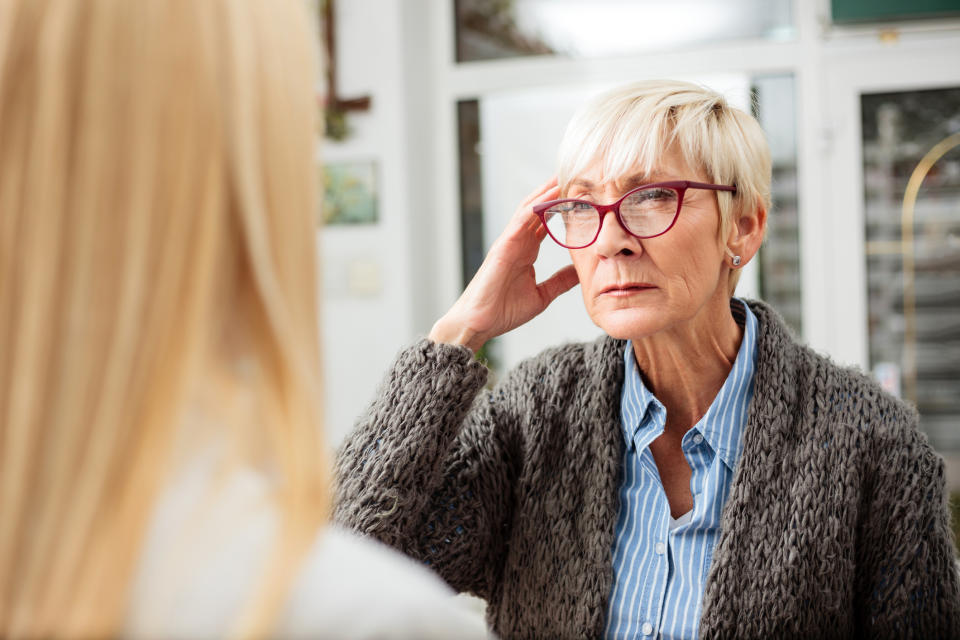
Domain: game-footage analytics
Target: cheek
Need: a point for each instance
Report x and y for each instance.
(585, 266)
(693, 263)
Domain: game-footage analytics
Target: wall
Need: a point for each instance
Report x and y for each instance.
(374, 299)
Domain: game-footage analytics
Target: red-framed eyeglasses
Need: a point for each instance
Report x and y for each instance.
(648, 211)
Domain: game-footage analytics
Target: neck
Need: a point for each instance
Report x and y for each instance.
(686, 365)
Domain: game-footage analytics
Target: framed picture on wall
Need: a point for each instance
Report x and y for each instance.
(349, 193)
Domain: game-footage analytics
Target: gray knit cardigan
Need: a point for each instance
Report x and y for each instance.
(836, 524)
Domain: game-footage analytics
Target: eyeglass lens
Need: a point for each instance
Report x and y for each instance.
(645, 213)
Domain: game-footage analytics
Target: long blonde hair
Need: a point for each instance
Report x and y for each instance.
(156, 204)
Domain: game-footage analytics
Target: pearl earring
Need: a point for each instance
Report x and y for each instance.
(736, 261)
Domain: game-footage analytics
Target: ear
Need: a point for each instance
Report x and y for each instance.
(746, 234)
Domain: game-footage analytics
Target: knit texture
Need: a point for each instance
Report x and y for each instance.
(836, 524)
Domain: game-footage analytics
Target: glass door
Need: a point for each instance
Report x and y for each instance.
(911, 171)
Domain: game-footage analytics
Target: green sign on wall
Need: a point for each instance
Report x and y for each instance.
(885, 10)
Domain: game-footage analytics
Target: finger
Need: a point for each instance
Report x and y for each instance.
(524, 219)
(532, 225)
(560, 282)
(538, 194)
(541, 231)
(525, 210)
(546, 186)
(549, 185)
(551, 192)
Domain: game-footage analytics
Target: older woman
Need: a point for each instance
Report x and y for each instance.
(696, 471)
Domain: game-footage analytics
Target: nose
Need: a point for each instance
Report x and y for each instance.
(614, 239)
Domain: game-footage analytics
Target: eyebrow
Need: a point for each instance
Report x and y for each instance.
(627, 183)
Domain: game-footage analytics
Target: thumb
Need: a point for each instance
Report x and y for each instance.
(560, 282)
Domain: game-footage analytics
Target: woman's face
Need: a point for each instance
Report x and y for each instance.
(635, 288)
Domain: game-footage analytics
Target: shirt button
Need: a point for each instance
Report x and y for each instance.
(660, 548)
(647, 628)
(698, 438)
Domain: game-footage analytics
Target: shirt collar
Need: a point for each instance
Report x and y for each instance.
(722, 425)
(639, 408)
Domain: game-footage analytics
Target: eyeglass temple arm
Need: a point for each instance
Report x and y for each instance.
(714, 187)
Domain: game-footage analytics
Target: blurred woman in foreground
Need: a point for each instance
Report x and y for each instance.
(162, 469)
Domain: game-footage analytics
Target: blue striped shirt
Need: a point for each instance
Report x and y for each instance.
(660, 565)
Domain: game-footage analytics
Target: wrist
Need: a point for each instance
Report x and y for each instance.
(446, 332)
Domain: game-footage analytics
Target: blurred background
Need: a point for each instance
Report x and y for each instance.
(443, 114)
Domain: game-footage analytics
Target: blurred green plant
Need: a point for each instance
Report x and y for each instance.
(335, 123)
(486, 355)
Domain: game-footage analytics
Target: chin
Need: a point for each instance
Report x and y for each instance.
(629, 324)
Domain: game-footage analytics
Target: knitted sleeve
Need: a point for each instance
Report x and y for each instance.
(907, 573)
(431, 465)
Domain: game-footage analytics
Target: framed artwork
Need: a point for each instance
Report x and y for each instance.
(349, 193)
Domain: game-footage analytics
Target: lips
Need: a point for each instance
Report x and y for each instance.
(627, 288)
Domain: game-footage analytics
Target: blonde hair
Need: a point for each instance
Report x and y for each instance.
(156, 204)
(626, 129)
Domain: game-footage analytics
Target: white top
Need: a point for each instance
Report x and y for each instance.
(202, 558)
(682, 520)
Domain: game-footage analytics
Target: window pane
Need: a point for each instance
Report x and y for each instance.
(914, 287)
(491, 29)
(853, 11)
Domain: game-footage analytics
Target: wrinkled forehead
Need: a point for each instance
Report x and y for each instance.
(594, 181)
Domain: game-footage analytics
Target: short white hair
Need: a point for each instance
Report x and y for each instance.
(626, 129)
